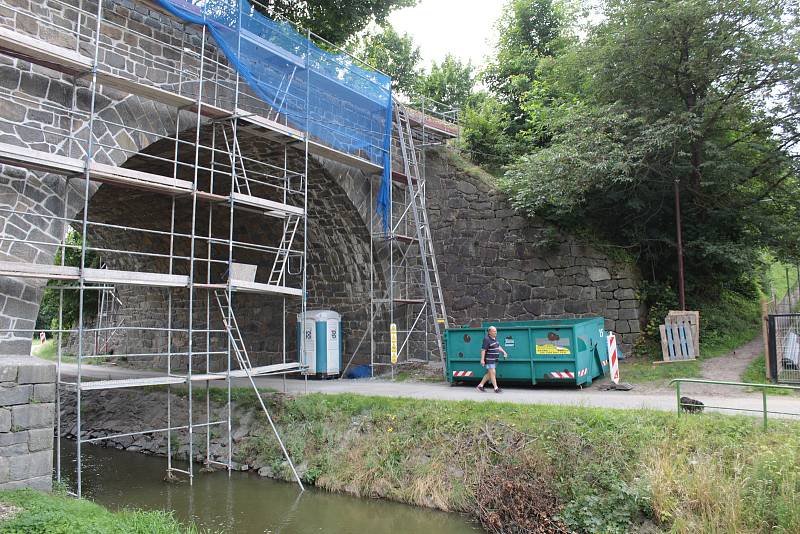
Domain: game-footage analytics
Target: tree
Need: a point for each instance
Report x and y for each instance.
(529, 30)
(48, 309)
(484, 122)
(701, 93)
(334, 20)
(448, 84)
(394, 54)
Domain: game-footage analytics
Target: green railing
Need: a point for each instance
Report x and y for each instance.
(762, 387)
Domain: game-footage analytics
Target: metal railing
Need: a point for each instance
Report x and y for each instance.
(684, 406)
(783, 336)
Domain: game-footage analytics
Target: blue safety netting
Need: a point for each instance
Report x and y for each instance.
(340, 104)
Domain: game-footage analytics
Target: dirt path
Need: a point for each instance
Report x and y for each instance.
(731, 366)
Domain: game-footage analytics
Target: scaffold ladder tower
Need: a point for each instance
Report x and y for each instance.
(415, 183)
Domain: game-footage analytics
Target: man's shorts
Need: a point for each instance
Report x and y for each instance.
(491, 366)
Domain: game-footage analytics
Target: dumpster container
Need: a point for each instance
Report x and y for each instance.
(323, 342)
(564, 351)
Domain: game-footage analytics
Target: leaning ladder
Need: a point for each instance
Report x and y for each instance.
(242, 358)
(278, 274)
(416, 189)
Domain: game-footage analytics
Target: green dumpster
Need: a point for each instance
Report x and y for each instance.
(563, 351)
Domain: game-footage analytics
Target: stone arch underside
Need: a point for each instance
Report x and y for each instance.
(338, 257)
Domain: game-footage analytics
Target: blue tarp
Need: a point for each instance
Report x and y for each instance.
(340, 104)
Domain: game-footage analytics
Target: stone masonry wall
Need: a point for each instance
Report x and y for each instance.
(497, 265)
(27, 405)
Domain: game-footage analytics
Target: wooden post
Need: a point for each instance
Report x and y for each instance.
(765, 334)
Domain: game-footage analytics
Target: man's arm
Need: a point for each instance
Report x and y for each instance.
(483, 356)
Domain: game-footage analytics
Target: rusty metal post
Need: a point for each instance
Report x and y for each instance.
(679, 239)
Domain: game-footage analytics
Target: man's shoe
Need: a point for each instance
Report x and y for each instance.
(498, 390)
(481, 389)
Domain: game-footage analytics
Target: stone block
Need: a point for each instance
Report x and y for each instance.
(534, 307)
(576, 306)
(5, 470)
(37, 372)
(12, 438)
(30, 416)
(34, 84)
(42, 483)
(26, 466)
(608, 325)
(628, 304)
(14, 450)
(629, 314)
(16, 395)
(20, 308)
(598, 274)
(625, 294)
(5, 420)
(40, 439)
(8, 371)
(44, 392)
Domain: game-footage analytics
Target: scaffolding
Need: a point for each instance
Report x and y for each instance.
(407, 317)
(207, 183)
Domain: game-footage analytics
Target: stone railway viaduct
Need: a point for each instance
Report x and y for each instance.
(494, 264)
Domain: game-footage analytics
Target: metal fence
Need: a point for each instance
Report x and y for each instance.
(686, 404)
(784, 347)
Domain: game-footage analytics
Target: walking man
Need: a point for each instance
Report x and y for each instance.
(490, 353)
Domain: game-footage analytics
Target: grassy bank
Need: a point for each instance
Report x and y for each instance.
(38, 513)
(606, 471)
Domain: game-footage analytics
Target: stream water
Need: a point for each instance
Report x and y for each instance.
(245, 503)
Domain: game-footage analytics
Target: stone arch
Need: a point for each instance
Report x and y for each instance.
(40, 200)
(338, 265)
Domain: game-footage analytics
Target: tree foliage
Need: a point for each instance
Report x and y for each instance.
(394, 54)
(449, 84)
(530, 32)
(334, 20)
(701, 93)
(48, 309)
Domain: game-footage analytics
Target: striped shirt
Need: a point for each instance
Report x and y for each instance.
(492, 348)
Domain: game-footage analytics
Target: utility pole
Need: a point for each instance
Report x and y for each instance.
(679, 235)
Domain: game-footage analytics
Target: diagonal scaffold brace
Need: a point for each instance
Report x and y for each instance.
(243, 359)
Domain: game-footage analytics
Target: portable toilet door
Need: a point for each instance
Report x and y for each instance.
(309, 338)
(329, 325)
(334, 338)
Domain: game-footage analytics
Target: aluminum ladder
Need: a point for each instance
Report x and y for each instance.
(242, 358)
(416, 188)
(278, 274)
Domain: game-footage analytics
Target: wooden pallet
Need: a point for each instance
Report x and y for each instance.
(680, 336)
(687, 317)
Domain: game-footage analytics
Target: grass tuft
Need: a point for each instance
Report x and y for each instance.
(58, 514)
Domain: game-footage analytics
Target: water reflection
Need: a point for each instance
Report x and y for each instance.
(246, 503)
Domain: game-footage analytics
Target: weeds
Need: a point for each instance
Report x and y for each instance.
(597, 470)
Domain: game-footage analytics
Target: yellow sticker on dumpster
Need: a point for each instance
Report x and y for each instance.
(551, 348)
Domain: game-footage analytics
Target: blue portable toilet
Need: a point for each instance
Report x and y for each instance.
(322, 353)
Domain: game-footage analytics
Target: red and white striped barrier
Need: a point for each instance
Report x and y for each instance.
(584, 371)
(463, 373)
(561, 374)
(612, 357)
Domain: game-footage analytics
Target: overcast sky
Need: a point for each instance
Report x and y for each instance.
(464, 28)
